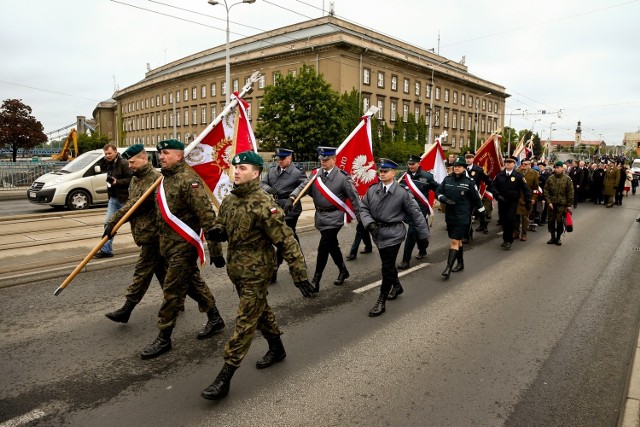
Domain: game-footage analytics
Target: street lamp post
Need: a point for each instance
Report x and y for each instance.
(510, 131)
(551, 129)
(475, 136)
(433, 94)
(227, 64)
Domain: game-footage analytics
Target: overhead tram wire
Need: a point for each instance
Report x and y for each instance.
(48, 91)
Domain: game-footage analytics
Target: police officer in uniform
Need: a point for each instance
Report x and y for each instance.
(143, 230)
(251, 258)
(384, 208)
(510, 185)
(280, 181)
(424, 181)
(328, 218)
(182, 195)
(559, 194)
(460, 195)
(478, 175)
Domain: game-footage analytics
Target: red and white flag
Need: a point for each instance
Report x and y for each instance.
(433, 161)
(489, 158)
(355, 156)
(211, 157)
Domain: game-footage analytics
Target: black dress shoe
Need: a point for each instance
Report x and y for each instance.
(403, 265)
(350, 257)
(366, 251)
(103, 255)
(421, 255)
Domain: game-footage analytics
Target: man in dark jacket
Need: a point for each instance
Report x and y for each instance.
(510, 184)
(118, 178)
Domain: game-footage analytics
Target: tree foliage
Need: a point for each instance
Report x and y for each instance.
(18, 128)
(93, 142)
(300, 112)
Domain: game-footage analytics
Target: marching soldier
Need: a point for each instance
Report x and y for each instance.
(522, 213)
(478, 175)
(331, 188)
(510, 184)
(280, 181)
(185, 210)
(459, 193)
(384, 208)
(251, 259)
(417, 181)
(143, 230)
(558, 192)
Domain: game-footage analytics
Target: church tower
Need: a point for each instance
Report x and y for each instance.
(578, 135)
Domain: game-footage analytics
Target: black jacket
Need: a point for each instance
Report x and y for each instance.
(119, 169)
(510, 187)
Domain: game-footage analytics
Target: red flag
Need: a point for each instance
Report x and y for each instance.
(433, 161)
(355, 156)
(211, 158)
(489, 158)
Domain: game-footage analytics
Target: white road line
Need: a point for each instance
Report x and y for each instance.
(379, 282)
(24, 419)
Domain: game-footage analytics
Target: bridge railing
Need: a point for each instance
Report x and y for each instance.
(20, 175)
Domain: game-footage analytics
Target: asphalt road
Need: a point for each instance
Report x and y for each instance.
(536, 336)
(23, 207)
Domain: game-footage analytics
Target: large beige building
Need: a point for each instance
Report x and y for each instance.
(185, 95)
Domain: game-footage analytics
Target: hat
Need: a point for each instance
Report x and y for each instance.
(386, 163)
(469, 154)
(460, 161)
(558, 163)
(536, 168)
(511, 159)
(413, 159)
(132, 151)
(248, 157)
(325, 152)
(283, 152)
(170, 144)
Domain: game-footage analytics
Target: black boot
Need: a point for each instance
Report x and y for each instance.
(274, 276)
(558, 241)
(344, 274)
(453, 254)
(460, 265)
(395, 291)
(275, 354)
(552, 240)
(161, 345)
(352, 256)
(122, 314)
(379, 308)
(213, 325)
(316, 281)
(219, 388)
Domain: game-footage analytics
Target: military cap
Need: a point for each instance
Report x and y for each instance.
(386, 164)
(283, 152)
(132, 151)
(170, 144)
(413, 159)
(469, 154)
(248, 157)
(460, 161)
(511, 159)
(325, 152)
(558, 163)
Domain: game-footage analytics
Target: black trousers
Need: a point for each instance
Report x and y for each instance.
(410, 242)
(291, 222)
(388, 257)
(361, 236)
(507, 215)
(329, 245)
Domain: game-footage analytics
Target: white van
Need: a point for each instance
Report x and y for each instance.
(635, 167)
(80, 183)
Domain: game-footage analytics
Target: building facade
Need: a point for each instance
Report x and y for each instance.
(179, 99)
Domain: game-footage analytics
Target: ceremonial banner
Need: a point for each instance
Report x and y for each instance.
(489, 158)
(355, 156)
(433, 161)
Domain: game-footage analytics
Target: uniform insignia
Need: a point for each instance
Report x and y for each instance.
(462, 193)
(273, 210)
(473, 173)
(195, 185)
(513, 179)
(237, 159)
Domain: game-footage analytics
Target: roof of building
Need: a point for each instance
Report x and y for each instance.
(571, 143)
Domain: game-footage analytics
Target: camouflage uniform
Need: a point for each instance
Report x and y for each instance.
(558, 190)
(145, 234)
(188, 200)
(522, 213)
(254, 225)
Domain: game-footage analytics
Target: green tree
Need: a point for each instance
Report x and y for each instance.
(93, 142)
(350, 112)
(300, 113)
(18, 128)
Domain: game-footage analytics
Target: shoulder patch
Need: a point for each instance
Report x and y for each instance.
(195, 184)
(273, 210)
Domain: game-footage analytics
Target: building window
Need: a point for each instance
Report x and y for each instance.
(405, 87)
(394, 110)
(186, 94)
(405, 112)
(158, 120)
(484, 105)
(455, 97)
(203, 115)
(418, 88)
(194, 115)
(186, 117)
(380, 109)
(178, 118)
(495, 107)
(428, 89)
(470, 123)
(153, 102)
(446, 95)
(153, 122)
(446, 119)
(137, 105)
(214, 112)
(177, 96)
(380, 79)
(261, 82)
(158, 100)
(203, 92)
(249, 112)
(194, 93)
(171, 98)
(366, 76)
(470, 101)
(482, 123)
(147, 122)
(235, 85)
(436, 118)
(223, 88)
(416, 113)
(454, 120)
(366, 102)
(293, 72)
(276, 76)
(146, 103)
(164, 99)
(394, 82)
(171, 119)
(453, 142)
(213, 89)
(462, 99)
(164, 120)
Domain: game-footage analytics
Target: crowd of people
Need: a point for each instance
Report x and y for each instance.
(258, 220)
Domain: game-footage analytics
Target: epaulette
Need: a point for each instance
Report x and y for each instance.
(343, 171)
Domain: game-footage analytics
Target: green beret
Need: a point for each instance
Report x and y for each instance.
(247, 157)
(460, 161)
(132, 151)
(170, 144)
(558, 163)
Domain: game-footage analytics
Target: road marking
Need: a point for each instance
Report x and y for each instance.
(24, 419)
(379, 282)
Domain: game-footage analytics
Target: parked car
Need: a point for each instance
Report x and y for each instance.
(79, 184)
(635, 167)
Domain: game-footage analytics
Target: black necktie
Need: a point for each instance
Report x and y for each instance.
(326, 174)
(385, 189)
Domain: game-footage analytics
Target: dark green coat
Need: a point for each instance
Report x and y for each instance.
(558, 190)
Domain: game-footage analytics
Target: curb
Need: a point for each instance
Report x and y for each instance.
(631, 412)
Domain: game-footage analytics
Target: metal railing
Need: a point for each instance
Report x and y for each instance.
(20, 175)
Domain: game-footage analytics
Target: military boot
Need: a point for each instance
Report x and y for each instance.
(379, 307)
(275, 354)
(219, 388)
(274, 276)
(558, 241)
(161, 345)
(344, 274)
(460, 265)
(396, 290)
(316, 281)
(122, 315)
(453, 255)
(213, 325)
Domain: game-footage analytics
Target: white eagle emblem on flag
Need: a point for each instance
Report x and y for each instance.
(361, 170)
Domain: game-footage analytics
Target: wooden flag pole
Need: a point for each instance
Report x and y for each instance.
(95, 250)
